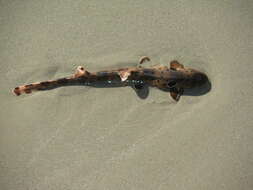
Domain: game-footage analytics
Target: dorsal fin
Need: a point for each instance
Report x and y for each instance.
(124, 75)
(175, 65)
(80, 71)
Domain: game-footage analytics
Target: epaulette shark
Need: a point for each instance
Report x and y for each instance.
(174, 79)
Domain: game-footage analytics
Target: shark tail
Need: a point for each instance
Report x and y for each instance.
(76, 79)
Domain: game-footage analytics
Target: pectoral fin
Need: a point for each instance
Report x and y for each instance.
(176, 93)
(175, 65)
(143, 59)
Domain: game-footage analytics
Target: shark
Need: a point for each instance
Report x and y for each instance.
(173, 78)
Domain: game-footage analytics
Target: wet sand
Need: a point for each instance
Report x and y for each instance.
(96, 138)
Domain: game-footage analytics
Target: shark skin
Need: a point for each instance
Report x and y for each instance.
(174, 79)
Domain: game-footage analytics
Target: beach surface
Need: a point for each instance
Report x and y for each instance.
(108, 138)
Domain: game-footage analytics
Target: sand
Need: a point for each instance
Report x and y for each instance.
(95, 138)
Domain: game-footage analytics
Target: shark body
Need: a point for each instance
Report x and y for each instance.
(174, 79)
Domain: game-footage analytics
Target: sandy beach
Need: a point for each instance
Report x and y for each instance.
(108, 138)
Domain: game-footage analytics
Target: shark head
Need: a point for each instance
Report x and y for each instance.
(193, 78)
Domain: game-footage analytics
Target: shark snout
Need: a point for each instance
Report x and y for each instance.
(199, 78)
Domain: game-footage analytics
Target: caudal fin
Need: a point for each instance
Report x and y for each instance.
(29, 88)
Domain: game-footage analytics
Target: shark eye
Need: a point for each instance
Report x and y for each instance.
(172, 84)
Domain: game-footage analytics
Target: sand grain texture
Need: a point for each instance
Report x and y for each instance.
(90, 138)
